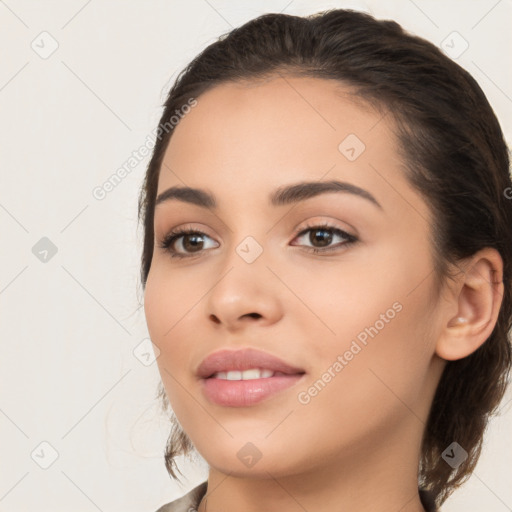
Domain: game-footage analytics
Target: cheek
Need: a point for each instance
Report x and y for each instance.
(165, 311)
(166, 304)
(335, 303)
(376, 317)
(377, 384)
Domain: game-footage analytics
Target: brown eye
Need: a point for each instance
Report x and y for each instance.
(192, 243)
(321, 237)
(182, 243)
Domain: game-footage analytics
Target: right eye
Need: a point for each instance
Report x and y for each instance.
(186, 240)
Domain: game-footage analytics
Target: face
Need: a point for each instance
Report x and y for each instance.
(336, 284)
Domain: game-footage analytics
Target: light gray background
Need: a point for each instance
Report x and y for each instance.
(69, 326)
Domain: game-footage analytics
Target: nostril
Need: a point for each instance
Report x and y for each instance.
(215, 319)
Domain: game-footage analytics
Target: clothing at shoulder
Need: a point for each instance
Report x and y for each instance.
(190, 502)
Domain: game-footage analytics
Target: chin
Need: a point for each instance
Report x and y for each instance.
(255, 458)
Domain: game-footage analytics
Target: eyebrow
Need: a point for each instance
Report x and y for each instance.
(282, 196)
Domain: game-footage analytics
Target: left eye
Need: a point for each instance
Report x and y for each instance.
(324, 236)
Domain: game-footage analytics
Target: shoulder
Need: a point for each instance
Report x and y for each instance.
(189, 501)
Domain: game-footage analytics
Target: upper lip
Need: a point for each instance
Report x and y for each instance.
(243, 359)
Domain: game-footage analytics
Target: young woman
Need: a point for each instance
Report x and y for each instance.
(327, 267)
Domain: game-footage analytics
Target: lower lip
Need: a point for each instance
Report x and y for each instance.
(241, 393)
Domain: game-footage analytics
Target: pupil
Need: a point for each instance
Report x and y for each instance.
(324, 239)
(194, 245)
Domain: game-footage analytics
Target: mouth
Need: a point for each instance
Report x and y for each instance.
(250, 374)
(245, 377)
(244, 364)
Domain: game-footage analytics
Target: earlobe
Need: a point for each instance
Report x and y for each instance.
(478, 297)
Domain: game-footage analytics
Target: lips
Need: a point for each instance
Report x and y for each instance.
(243, 378)
(225, 361)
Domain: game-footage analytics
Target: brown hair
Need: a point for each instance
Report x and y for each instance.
(454, 154)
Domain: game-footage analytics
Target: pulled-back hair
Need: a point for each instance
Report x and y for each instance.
(453, 152)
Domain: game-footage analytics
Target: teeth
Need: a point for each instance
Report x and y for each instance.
(253, 373)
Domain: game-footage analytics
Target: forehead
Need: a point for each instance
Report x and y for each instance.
(291, 109)
(255, 136)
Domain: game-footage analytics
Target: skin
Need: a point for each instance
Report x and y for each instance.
(356, 444)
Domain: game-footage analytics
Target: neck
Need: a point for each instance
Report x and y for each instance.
(371, 477)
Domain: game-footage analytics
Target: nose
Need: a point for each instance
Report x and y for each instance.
(245, 294)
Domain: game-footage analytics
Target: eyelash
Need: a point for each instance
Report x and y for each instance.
(169, 239)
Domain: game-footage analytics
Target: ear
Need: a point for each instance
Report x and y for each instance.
(477, 299)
